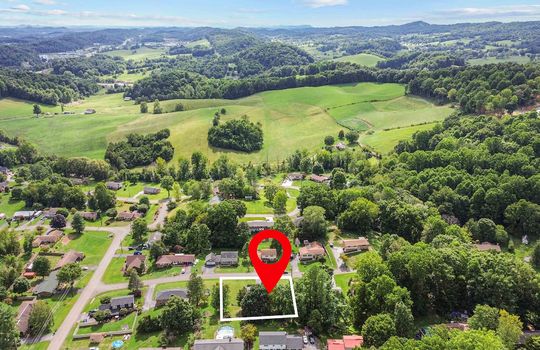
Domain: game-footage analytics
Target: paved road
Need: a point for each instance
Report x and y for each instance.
(89, 290)
(160, 217)
(149, 298)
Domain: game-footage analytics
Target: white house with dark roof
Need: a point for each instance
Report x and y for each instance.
(116, 304)
(280, 340)
(224, 259)
(259, 225)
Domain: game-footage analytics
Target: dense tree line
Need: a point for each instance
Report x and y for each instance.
(18, 57)
(44, 88)
(172, 84)
(52, 193)
(237, 134)
(89, 67)
(475, 167)
(421, 60)
(479, 89)
(139, 150)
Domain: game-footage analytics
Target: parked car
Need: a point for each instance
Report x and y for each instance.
(331, 245)
(183, 271)
(311, 339)
(304, 338)
(138, 252)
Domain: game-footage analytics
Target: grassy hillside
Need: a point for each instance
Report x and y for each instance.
(138, 54)
(385, 140)
(291, 119)
(488, 60)
(363, 59)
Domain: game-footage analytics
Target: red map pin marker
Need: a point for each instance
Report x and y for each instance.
(270, 274)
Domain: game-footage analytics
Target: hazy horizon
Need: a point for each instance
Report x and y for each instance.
(243, 13)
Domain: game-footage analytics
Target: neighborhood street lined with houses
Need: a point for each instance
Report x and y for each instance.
(212, 268)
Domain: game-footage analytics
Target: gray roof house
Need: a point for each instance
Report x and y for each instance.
(126, 302)
(219, 344)
(223, 259)
(151, 190)
(4, 170)
(113, 185)
(279, 340)
(48, 286)
(163, 297)
(259, 225)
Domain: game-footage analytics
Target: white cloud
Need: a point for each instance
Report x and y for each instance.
(20, 8)
(324, 3)
(45, 2)
(56, 12)
(498, 11)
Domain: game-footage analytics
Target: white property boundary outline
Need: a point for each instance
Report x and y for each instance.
(254, 318)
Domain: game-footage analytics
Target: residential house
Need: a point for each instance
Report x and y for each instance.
(77, 181)
(90, 111)
(89, 215)
(218, 344)
(259, 225)
(48, 286)
(311, 251)
(349, 342)
(223, 259)
(23, 315)
(173, 260)
(4, 186)
(4, 170)
(280, 341)
(295, 176)
(319, 178)
(128, 215)
(486, 246)
(127, 302)
(151, 190)
(137, 262)
(268, 254)
(49, 239)
(50, 213)
(355, 245)
(2, 216)
(164, 296)
(113, 185)
(69, 258)
(26, 215)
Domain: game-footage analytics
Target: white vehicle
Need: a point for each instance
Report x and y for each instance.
(183, 271)
(304, 338)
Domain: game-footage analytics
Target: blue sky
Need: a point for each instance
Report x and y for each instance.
(259, 13)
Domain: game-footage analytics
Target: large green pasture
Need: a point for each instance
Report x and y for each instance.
(489, 60)
(139, 54)
(291, 119)
(363, 59)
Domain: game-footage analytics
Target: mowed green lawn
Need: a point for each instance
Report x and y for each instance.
(291, 119)
(93, 244)
(363, 59)
(138, 54)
